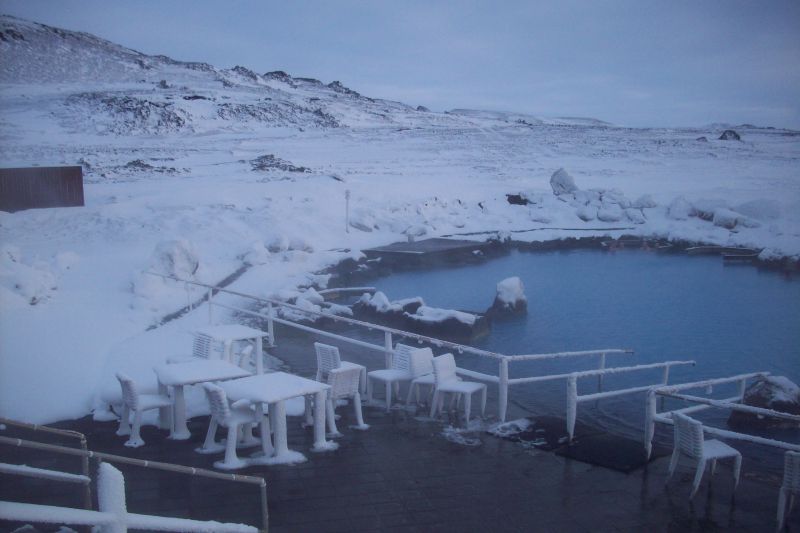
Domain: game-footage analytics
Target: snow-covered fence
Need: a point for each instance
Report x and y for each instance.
(652, 416)
(87, 488)
(112, 516)
(502, 378)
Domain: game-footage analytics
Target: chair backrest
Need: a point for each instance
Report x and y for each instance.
(344, 382)
(791, 471)
(218, 401)
(421, 362)
(328, 357)
(401, 359)
(688, 435)
(202, 345)
(245, 357)
(129, 394)
(444, 368)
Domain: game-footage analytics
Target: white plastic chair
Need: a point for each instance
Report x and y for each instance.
(791, 484)
(132, 400)
(444, 369)
(399, 372)
(234, 416)
(202, 345)
(328, 358)
(689, 442)
(422, 370)
(344, 385)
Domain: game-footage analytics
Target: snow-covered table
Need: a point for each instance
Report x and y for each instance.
(274, 389)
(178, 375)
(227, 334)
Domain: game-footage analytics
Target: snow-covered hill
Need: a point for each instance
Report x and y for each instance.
(221, 167)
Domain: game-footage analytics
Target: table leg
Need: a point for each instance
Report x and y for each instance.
(277, 417)
(320, 444)
(179, 431)
(164, 413)
(266, 439)
(259, 356)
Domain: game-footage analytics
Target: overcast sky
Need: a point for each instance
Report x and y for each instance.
(638, 62)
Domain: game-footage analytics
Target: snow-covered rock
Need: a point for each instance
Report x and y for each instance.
(679, 209)
(777, 393)
(705, 207)
(29, 282)
(645, 201)
(635, 215)
(725, 218)
(760, 209)
(562, 182)
(510, 298)
(729, 135)
(446, 323)
(610, 213)
(175, 258)
(586, 213)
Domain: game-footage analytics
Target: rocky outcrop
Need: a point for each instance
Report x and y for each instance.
(510, 299)
(562, 182)
(777, 393)
(729, 135)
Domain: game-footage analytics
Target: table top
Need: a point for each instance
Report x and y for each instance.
(198, 371)
(232, 332)
(270, 388)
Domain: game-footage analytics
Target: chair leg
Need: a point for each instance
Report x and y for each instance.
(369, 389)
(673, 463)
(211, 440)
(359, 415)
(135, 439)
(713, 466)
(467, 407)
(410, 393)
(434, 403)
(737, 468)
(781, 507)
(483, 402)
(231, 459)
(330, 416)
(124, 421)
(388, 395)
(698, 475)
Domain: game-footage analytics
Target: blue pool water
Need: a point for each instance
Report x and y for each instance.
(730, 319)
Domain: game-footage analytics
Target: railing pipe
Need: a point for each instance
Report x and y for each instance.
(210, 307)
(388, 350)
(271, 323)
(502, 389)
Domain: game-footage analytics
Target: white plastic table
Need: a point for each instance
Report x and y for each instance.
(274, 389)
(227, 334)
(178, 375)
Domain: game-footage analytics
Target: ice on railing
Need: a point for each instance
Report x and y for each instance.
(54, 475)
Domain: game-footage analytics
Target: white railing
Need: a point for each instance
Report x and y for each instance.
(112, 516)
(502, 378)
(652, 416)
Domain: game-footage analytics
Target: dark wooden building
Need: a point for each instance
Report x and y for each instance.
(29, 188)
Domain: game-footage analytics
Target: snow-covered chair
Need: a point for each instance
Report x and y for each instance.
(202, 346)
(422, 370)
(790, 486)
(235, 416)
(447, 382)
(399, 372)
(344, 385)
(328, 358)
(690, 442)
(132, 400)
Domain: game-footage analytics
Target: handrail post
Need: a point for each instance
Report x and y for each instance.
(387, 344)
(665, 378)
(742, 387)
(601, 367)
(649, 421)
(264, 508)
(210, 312)
(502, 390)
(270, 324)
(572, 404)
(87, 491)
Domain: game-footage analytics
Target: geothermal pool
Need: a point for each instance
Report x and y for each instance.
(666, 306)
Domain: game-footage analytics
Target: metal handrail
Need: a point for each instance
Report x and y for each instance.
(157, 465)
(87, 491)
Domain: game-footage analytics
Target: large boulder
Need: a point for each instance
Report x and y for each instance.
(510, 298)
(768, 392)
(447, 323)
(729, 135)
(562, 182)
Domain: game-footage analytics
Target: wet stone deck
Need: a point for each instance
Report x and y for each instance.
(404, 475)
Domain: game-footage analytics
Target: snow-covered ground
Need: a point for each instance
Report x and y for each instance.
(176, 180)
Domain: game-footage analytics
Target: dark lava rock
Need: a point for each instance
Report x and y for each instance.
(447, 324)
(270, 162)
(769, 392)
(729, 135)
(702, 139)
(423, 109)
(510, 299)
(195, 97)
(377, 308)
(516, 199)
